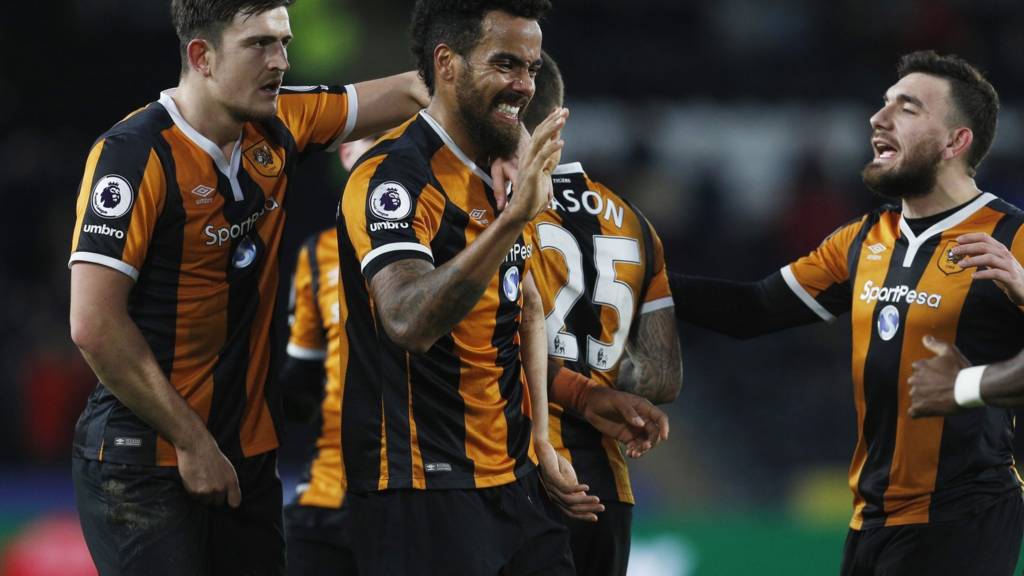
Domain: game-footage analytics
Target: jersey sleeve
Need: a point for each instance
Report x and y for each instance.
(119, 201)
(390, 212)
(318, 117)
(821, 279)
(658, 294)
(307, 339)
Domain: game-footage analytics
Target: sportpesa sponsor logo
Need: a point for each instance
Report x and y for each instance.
(218, 236)
(902, 293)
(103, 230)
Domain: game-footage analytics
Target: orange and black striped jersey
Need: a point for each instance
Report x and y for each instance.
(318, 333)
(456, 416)
(899, 286)
(198, 232)
(598, 265)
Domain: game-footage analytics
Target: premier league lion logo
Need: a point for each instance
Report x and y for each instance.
(111, 196)
(390, 201)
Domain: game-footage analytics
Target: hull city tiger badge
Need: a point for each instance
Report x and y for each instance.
(264, 159)
(949, 262)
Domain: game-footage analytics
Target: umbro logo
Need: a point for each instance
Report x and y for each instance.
(203, 194)
(876, 251)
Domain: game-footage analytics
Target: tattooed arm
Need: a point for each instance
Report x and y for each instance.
(654, 367)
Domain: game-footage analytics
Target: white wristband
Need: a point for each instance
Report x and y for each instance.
(967, 390)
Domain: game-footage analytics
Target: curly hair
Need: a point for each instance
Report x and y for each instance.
(975, 100)
(457, 24)
(207, 19)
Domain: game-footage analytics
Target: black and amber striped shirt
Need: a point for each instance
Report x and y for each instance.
(598, 265)
(318, 333)
(198, 232)
(456, 416)
(899, 286)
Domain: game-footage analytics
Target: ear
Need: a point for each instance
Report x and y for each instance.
(200, 55)
(445, 63)
(958, 143)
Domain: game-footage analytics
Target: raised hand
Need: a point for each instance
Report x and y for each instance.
(533, 182)
(933, 380)
(994, 261)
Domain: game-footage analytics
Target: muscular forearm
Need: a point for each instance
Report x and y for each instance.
(653, 368)
(386, 102)
(1002, 383)
(123, 361)
(418, 304)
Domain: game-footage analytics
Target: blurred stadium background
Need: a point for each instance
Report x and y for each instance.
(738, 126)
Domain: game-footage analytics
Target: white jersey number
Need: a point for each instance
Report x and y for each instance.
(608, 291)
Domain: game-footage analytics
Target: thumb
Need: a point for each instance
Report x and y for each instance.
(629, 414)
(936, 346)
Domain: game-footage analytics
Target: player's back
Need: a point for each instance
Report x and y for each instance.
(600, 265)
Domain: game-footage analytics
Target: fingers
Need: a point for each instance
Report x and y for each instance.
(548, 130)
(936, 346)
(577, 505)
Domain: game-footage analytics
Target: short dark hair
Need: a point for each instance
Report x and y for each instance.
(457, 24)
(975, 100)
(548, 94)
(207, 19)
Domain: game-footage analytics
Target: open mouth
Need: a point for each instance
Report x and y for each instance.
(271, 87)
(883, 149)
(508, 112)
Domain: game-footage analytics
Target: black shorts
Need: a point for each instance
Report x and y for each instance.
(318, 540)
(987, 544)
(602, 548)
(140, 520)
(508, 530)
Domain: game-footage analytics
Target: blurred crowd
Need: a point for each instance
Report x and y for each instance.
(738, 126)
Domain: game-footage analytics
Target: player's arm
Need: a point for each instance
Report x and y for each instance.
(739, 309)
(947, 383)
(302, 376)
(121, 358)
(654, 364)
(387, 102)
(417, 303)
(557, 473)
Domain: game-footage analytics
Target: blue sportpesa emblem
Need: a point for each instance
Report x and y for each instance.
(245, 253)
(510, 283)
(888, 322)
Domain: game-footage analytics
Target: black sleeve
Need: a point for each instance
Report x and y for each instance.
(739, 309)
(303, 385)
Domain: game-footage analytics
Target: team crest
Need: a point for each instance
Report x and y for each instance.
(111, 197)
(390, 201)
(948, 262)
(264, 159)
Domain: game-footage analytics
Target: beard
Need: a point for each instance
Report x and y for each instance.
(492, 139)
(914, 179)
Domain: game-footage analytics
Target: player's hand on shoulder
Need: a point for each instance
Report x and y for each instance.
(533, 190)
(207, 473)
(932, 383)
(994, 262)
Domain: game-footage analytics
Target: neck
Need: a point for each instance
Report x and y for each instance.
(209, 119)
(950, 191)
(449, 119)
